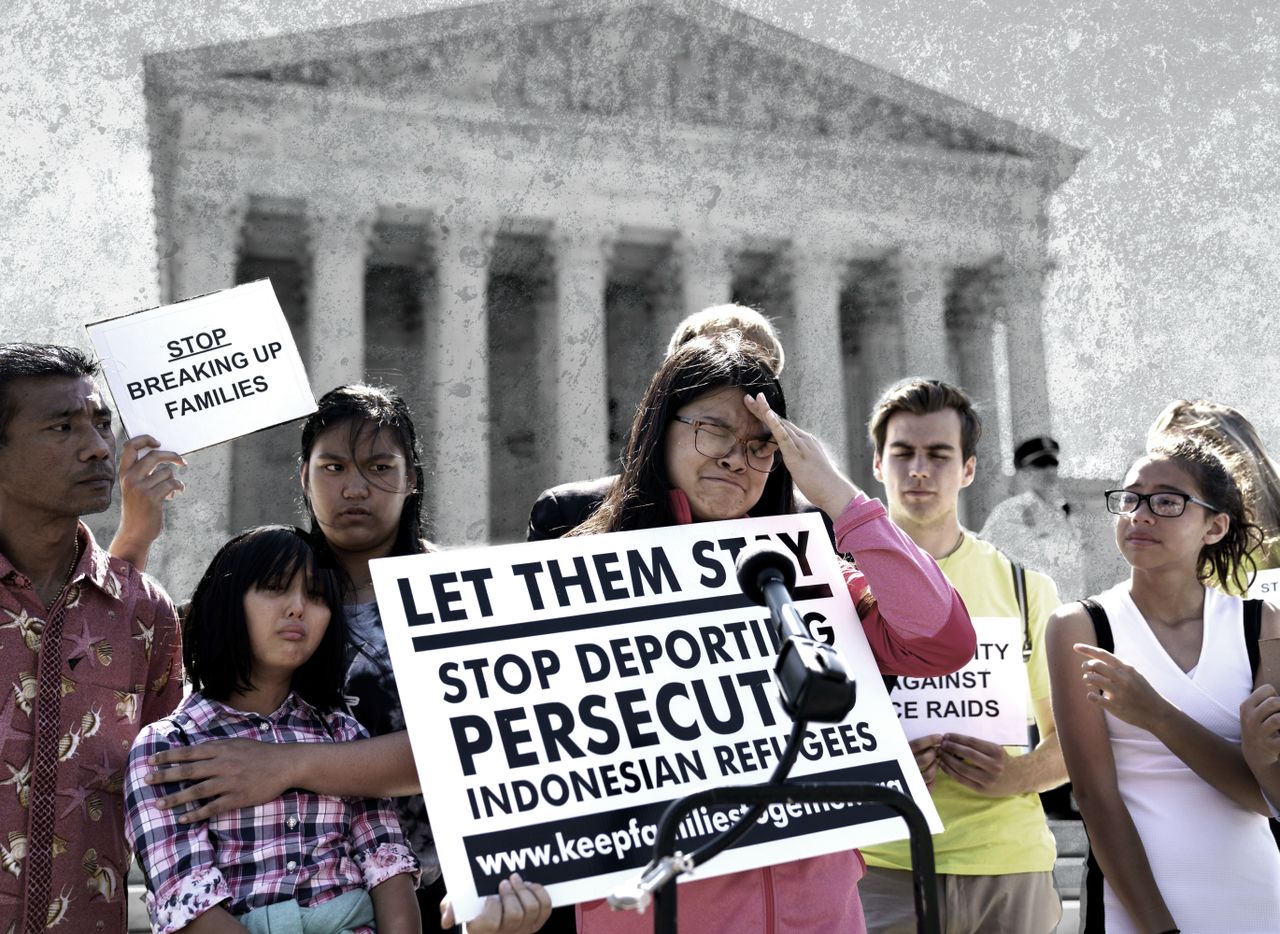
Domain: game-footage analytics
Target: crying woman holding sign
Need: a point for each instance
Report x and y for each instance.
(711, 441)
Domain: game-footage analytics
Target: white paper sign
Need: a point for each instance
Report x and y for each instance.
(1266, 586)
(559, 695)
(205, 370)
(987, 698)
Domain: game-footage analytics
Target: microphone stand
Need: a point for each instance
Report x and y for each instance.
(815, 685)
(923, 878)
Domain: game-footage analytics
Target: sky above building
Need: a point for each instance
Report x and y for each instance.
(1166, 241)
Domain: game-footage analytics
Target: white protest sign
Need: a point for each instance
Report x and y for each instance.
(987, 698)
(559, 695)
(205, 370)
(1266, 586)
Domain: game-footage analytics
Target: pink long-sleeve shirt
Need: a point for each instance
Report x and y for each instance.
(918, 626)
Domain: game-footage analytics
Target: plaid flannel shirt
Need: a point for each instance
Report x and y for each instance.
(301, 846)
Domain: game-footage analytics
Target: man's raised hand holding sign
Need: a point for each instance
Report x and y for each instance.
(205, 370)
(147, 482)
(569, 765)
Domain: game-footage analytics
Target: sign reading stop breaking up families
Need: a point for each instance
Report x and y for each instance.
(559, 695)
(987, 698)
(205, 370)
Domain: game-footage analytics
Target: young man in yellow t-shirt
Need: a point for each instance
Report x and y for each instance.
(995, 858)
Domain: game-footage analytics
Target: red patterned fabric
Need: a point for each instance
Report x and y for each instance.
(35, 910)
(116, 665)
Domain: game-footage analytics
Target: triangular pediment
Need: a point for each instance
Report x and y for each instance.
(689, 62)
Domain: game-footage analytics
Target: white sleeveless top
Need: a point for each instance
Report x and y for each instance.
(1215, 863)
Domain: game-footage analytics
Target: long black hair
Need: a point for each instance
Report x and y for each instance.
(371, 408)
(640, 497)
(216, 651)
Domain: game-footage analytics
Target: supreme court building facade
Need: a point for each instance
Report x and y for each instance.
(503, 210)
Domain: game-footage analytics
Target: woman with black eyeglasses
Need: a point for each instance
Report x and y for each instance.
(711, 441)
(1147, 682)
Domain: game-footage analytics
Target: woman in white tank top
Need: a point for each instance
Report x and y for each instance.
(1151, 731)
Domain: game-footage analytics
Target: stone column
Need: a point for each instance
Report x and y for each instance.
(458, 355)
(206, 240)
(922, 296)
(580, 352)
(970, 325)
(882, 354)
(339, 239)
(814, 369)
(1018, 299)
(706, 275)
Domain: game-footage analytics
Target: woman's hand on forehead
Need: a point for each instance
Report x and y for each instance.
(811, 468)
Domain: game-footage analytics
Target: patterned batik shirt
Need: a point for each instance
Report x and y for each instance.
(120, 667)
(372, 684)
(300, 847)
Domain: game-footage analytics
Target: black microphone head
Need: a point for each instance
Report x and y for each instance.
(760, 557)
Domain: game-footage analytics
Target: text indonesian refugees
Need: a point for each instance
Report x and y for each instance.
(995, 859)
(1147, 686)
(90, 648)
(710, 441)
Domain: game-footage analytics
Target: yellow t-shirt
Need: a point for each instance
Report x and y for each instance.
(989, 836)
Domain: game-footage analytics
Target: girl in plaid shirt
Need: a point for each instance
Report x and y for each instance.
(264, 648)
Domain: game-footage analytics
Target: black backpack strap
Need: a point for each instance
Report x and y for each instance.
(1252, 632)
(1095, 916)
(1020, 593)
(1095, 921)
(1101, 625)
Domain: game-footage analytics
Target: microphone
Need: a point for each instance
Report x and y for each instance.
(812, 677)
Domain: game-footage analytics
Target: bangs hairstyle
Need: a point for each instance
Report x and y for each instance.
(215, 631)
(1229, 561)
(1240, 446)
(362, 408)
(639, 498)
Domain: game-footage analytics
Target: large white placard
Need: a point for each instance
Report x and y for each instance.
(987, 698)
(205, 370)
(559, 695)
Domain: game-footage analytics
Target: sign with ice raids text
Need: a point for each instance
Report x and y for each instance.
(987, 698)
(205, 370)
(559, 695)
(1266, 586)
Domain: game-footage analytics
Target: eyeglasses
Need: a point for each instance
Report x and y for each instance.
(1167, 505)
(715, 442)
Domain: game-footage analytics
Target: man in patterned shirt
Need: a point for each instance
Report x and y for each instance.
(89, 651)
